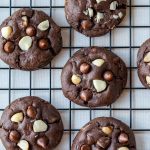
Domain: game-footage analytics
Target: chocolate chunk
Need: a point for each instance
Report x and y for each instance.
(123, 138)
(31, 31)
(86, 24)
(85, 147)
(31, 112)
(9, 47)
(43, 142)
(43, 44)
(14, 136)
(85, 68)
(108, 76)
(86, 95)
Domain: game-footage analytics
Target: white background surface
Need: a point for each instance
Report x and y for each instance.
(41, 79)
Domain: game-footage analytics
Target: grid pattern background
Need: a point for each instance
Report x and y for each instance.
(133, 107)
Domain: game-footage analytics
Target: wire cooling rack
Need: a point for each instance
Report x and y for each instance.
(133, 107)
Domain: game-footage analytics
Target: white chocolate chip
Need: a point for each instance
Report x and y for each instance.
(123, 148)
(25, 21)
(99, 17)
(107, 130)
(23, 13)
(6, 31)
(148, 80)
(147, 58)
(91, 13)
(23, 145)
(39, 126)
(98, 62)
(43, 26)
(18, 117)
(120, 14)
(99, 85)
(25, 43)
(85, 12)
(76, 79)
(115, 16)
(98, 1)
(113, 5)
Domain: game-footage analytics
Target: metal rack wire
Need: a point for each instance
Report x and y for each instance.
(70, 130)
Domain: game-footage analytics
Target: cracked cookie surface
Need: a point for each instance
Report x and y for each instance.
(30, 123)
(104, 133)
(95, 17)
(94, 77)
(143, 63)
(29, 40)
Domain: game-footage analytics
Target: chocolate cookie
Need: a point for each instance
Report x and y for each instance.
(29, 39)
(95, 17)
(94, 77)
(143, 63)
(105, 134)
(30, 123)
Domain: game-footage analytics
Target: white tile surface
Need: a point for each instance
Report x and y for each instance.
(41, 78)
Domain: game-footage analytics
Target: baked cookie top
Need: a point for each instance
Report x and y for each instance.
(104, 133)
(143, 63)
(94, 77)
(30, 123)
(95, 17)
(29, 39)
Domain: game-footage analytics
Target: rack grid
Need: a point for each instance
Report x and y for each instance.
(70, 118)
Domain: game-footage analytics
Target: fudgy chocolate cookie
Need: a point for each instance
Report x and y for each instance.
(29, 39)
(105, 134)
(143, 63)
(94, 77)
(30, 123)
(95, 17)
